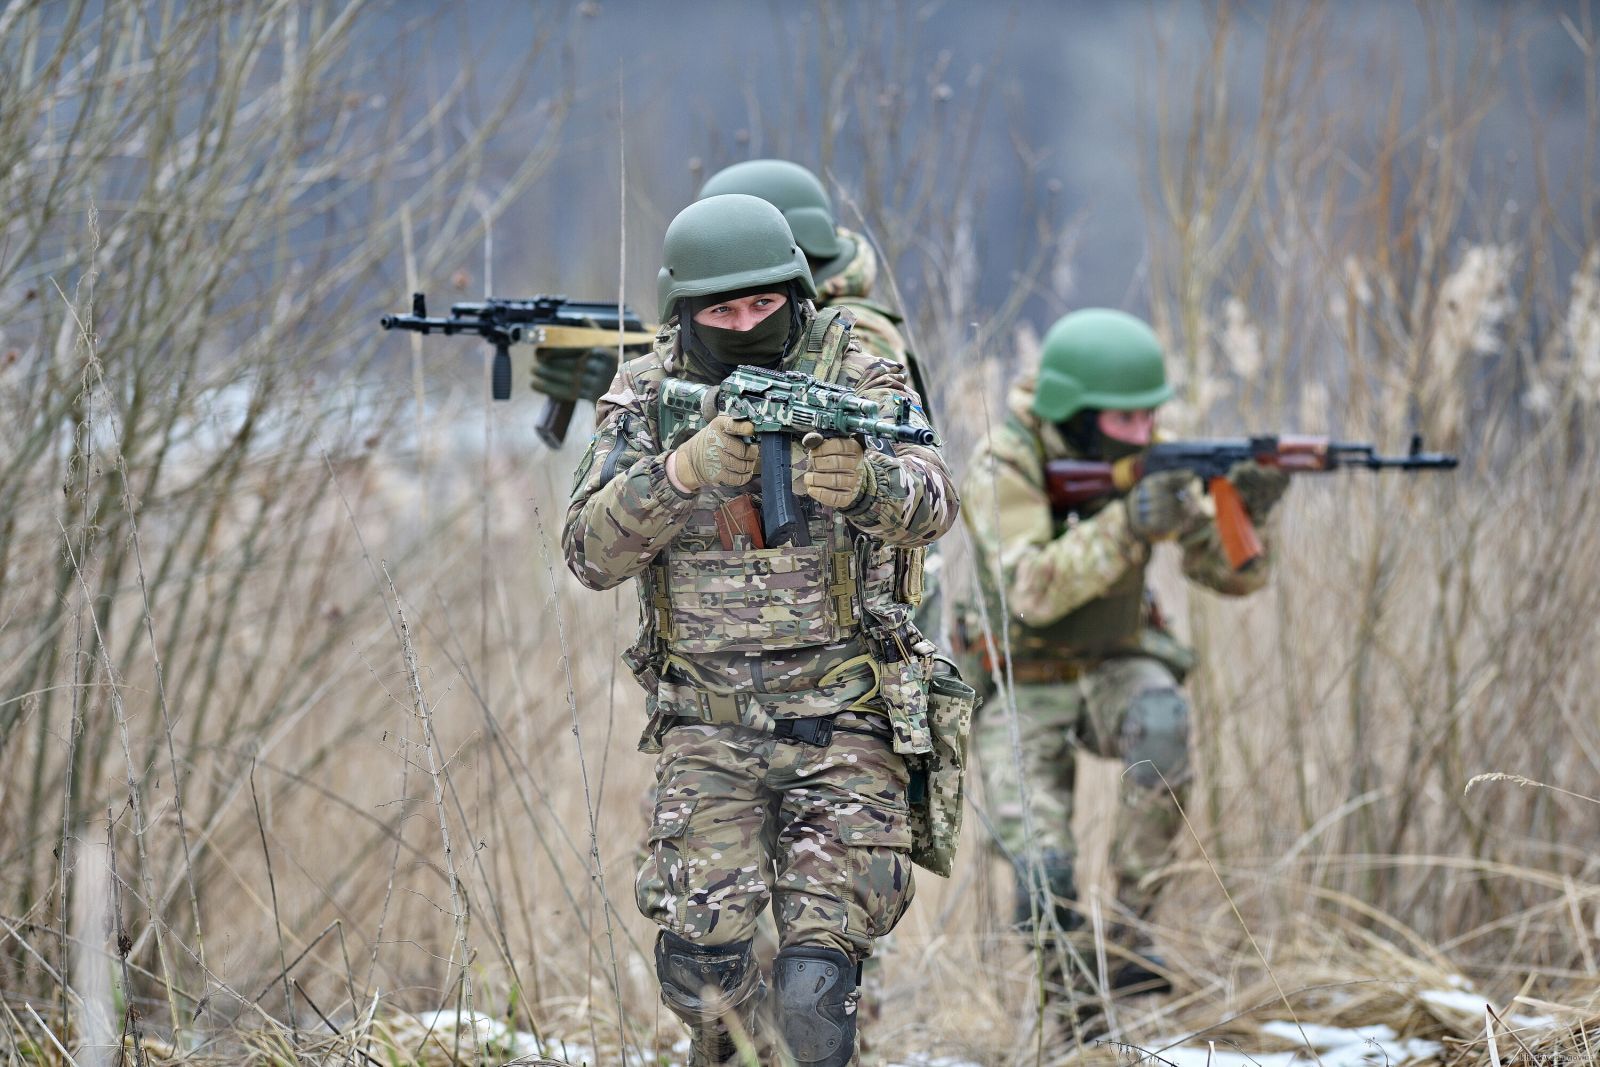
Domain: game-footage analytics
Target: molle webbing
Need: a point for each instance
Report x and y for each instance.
(826, 341)
(842, 587)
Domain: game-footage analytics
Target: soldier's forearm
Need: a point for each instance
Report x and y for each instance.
(615, 533)
(908, 500)
(1048, 581)
(1204, 562)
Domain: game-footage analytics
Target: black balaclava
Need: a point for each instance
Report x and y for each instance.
(1083, 436)
(713, 352)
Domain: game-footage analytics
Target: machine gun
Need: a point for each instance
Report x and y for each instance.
(543, 321)
(782, 404)
(1071, 483)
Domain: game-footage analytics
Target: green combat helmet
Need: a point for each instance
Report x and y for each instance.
(1099, 359)
(796, 192)
(726, 243)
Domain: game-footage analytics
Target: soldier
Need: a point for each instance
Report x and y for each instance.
(1093, 667)
(845, 269)
(842, 262)
(782, 682)
(842, 265)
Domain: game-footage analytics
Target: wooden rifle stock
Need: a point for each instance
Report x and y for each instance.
(1070, 482)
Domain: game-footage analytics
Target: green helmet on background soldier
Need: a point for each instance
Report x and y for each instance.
(796, 192)
(726, 243)
(1099, 359)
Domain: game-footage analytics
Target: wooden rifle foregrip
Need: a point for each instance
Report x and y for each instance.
(1240, 543)
(554, 420)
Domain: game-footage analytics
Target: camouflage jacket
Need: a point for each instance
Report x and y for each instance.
(877, 327)
(1054, 567)
(771, 645)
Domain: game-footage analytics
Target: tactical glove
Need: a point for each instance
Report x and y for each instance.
(1162, 506)
(574, 373)
(1259, 487)
(838, 473)
(724, 452)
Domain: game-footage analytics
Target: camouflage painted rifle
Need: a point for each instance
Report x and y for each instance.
(1072, 482)
(782, 404)
(543, 321)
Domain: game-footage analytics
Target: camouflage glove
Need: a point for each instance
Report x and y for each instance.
(574, 373)
(724, 452)
(838, 473)
(1162, 506)
(1259, 487)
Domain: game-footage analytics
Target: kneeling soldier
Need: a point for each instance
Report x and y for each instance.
(1092, 664)
(786, 683)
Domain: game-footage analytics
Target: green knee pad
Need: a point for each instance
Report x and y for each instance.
(1155, 738)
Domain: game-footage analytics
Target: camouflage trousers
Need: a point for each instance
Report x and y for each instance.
(742, 817)
(1129, 709)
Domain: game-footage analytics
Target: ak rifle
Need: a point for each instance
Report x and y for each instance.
(544, 322)
(1071, 483)
(784, 404)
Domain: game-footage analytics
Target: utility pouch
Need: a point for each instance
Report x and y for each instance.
(909, 578)
(739, 524)
(903, 688)
(936, 777)
(644, 662)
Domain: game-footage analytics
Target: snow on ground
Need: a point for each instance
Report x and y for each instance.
(490, 1031)
(1336, 1046)
(1464, 1000)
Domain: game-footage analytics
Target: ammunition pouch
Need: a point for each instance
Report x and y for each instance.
(936, 776)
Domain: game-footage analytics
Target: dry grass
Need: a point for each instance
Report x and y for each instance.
(302, 731)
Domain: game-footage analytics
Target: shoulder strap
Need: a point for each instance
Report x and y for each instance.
(826, 341)
(870, 305)
(1015, 427)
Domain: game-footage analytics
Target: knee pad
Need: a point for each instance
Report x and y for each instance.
(1155, 738)
(815, 1013)
(1060, 885)
(700, 983)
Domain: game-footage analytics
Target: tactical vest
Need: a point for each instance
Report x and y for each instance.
(1107, 624)
(699, 598)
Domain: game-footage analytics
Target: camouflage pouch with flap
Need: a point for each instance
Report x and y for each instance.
(936, 777)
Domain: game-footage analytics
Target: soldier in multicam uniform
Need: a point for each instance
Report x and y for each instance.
(845, 268)
(1093, 666)
(783, 684)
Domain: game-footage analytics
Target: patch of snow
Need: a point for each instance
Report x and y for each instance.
(1336, 1046)
(489, 1030)
(1473, 1004)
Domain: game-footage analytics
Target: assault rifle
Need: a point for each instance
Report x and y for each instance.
(1071, 483)
(543, 321)
(782, 404)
